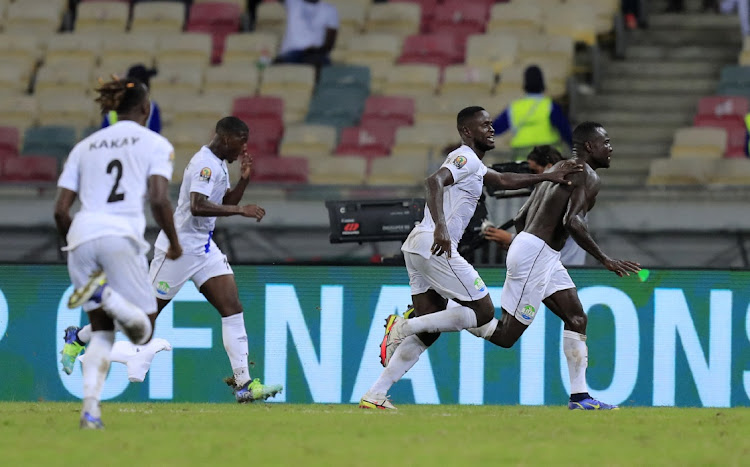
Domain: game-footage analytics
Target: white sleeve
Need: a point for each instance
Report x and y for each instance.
(162, 160)
(203, 177)
(69, 179)
(332, 17)
(461, 166)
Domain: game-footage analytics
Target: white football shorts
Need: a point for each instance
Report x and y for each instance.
(168, 276)
(534, 273)
(452, 278)
(120, 259)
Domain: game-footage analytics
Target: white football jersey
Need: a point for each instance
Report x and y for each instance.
(109, 171)
(459, 202)
(205, 174)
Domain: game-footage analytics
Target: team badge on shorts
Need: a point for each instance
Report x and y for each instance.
(205, 174)
(162, 288)
(479, 284)
(528, 312)
(459, 161)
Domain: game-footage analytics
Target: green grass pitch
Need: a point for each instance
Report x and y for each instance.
(167, 434)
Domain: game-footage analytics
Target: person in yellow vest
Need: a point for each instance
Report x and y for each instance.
(535, 119)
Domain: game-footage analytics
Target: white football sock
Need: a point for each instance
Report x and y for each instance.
(137, 358)
(406, 356)
(486, 331)
(133, 321)
(235, 343)
(95, 369)
(84, 334)
(577, 354)
(453, 319)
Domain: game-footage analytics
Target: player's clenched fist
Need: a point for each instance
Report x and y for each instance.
(253, 210)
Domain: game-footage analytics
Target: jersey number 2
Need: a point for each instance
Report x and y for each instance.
(113, 195)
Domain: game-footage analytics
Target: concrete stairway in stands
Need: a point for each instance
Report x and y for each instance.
(644, 98)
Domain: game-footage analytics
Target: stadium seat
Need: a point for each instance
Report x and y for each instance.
(352, 18)
(62, 47)
(402, 19)
(187, 139)
(10, 140)
(31, 168)
(56, 141)
(68, 110)
(723, 107)
(735, 75)
(214, 17)
(430, 109)
(389, 111)
(187, 49)
(40, 18)
(335, 107)
(604, 11)
(335, 170)
(345, 77)
(102, 17)
(467, 81)
(371, 141)
(258, 107)
(13, 77)
(460, 19)
(421, 139)
(731, 172)
(515, 17)
(120, 51)
(294, 84)
(308, 140)
(182, 78)
(412, 80)
(232, 80)
(435, 49)
(158, 17)
(736, 142)
(496, 50)
(377, 46)
(202, 111)
(265, 135)
(400, 170)
(280, 170)
(576, 23)
(542, 48)
(686, 171)
(21, 45)
(693, 142)
(428, 11)
(250, 47)
(19, 111)
(270, 17)
(63, 77)
(241, 4)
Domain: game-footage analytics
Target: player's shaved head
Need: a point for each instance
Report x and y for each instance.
(466, 114)
(231, 126)
(585, 132)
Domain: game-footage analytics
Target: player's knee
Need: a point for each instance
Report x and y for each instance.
(428, 338)
(578, 323)
(232, 309)
(484, 316)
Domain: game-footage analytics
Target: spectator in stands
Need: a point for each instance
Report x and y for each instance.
(142, 74)
(540, 159)
(742, 7)
(630, 8)
(311, 29)
(534, 119)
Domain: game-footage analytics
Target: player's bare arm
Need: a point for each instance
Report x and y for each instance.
(63, 219)
(512, 181)
(234, 196)
(200, 206)
(434, 185)
(161, 208)
(581, 200)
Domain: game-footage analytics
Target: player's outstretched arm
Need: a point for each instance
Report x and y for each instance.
(434, 185)
(514, 181)
(234, 196)
(161, 208)
(200, 206)
(576, 226)
(63, 219)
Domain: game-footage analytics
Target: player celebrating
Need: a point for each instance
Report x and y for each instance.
(436, 271)
(204, 195)
(110, 171)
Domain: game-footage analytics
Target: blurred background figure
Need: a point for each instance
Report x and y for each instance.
(678, 6)
(540, 159)
(311, 29)
(535, 119)
(142, 74)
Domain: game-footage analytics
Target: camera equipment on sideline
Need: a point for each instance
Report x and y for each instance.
(373, 220)
(511, 167)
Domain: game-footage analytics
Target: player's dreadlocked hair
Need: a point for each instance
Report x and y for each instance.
(121, 95)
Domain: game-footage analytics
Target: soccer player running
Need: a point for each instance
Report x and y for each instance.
(111, 172)
(436, 271)
(535, 274)
(206, 194)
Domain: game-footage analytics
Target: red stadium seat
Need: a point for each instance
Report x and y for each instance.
(469, 16)
(388, 110)
(280, 169)
(729, 107)
(91, 1)
(252, 107)
(30, 169)
(265, 135)
(9, 141)
(371, 141)
(434, 49)
(736, 142)
(214, 17)
(428, 11)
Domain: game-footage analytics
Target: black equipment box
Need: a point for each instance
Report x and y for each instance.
(374, 220)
